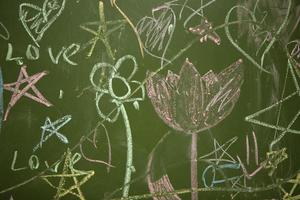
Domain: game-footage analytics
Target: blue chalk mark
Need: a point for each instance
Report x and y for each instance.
(214, 168)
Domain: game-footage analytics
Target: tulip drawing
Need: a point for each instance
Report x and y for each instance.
(192, 103)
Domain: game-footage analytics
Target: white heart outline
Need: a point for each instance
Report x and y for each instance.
(23, 13)
(267, 49)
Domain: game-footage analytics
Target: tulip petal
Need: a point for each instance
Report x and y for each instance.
(172, 79)
(163, 99)
(211, 86)
(221, 105)
(232, 77)
(189, 97)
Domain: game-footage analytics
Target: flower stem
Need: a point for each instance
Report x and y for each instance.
(129, 166)
(194, 167)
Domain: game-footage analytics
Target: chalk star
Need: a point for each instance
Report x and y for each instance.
(290, 195)
(223, 150)
(274, 158)
(204, 30)
(102, 33)
(18, 93)
(52, 128)
(222, 160)
(69, 172)
(283, 129)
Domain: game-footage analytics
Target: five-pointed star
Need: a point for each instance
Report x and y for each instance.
(102, 33)
(291, 194)
(18, 93)
(69, 172)
(52, 129)
(223, 151)
(283, 129)
(223, 160)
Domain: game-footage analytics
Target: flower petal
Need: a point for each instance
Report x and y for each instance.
(106, 71)
(139, 95)
(230, 81)
(172, 79)
(211, 86)
(189, 97)
(122, 63)
(163, 99)
(110, 116)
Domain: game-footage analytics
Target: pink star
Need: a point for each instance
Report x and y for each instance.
(18, 93)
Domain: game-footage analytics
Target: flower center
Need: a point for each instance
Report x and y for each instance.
(119, 88)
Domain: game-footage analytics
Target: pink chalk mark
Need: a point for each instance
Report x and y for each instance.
(17, 93)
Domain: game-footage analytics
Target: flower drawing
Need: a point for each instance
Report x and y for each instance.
(192, 103)
(105, 86)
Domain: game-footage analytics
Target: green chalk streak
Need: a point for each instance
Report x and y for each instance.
(128, 171)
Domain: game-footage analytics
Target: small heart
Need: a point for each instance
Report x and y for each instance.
(38, 23)
(157, 31)
(268, 41)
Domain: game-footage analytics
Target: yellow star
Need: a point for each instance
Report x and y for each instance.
(102, 33)
(290, 195)
(69, 172)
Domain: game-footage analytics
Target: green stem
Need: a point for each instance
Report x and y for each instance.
(129, 166)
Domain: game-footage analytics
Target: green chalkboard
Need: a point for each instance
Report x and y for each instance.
(147, 99)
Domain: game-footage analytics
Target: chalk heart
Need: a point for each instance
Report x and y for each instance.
(157, 30)
(36, 20)
(259, 59)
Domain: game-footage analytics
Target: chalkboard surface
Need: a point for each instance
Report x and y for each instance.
(142, 99)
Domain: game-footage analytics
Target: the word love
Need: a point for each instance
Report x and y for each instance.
(33, 53)
(33, 164)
